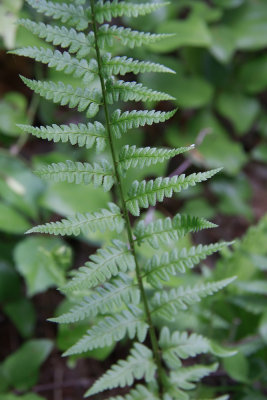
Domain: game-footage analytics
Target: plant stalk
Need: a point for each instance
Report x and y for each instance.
(152, 332)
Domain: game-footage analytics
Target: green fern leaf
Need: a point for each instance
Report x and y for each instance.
(77, 42)
(107, 35)
(122, 122)
(83, 99)
(123, 65)
(105, 299)
(179, 346)
(125, 91)
(146, 193)
(185, 378)
(102, 220)
(61, 61)
(100, 174)
(162, 231)
(105, 11)
(140, 392)
(168, 303)
(74, 15)
(161, 268)
(83, 135)
(138, 365)
(132, 156)
(110, 330)
(107, 262)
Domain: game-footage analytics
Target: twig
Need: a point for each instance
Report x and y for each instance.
(48, 387)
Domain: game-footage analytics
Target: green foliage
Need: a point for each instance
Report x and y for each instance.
(13, 366)
(138, 365)
(61, 61)
(107, 262)
(117, 289)
(122, 122)
(84, 135)
(131, 157)
(83, 223)
(100, 174)
(147, 193)
(168, 303)
(112, 329)
(164, 230)
(83, 99)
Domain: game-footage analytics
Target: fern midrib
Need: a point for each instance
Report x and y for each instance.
(178, 185)
(180, 232)
(184, 295)
(80, 223)
(152, 333)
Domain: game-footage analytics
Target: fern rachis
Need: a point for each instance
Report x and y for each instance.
(122, 289)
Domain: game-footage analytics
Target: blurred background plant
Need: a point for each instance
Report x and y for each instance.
(219, 54)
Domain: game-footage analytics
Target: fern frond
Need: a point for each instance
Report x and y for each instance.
(132, 156)
(105, 11)
(168, 303)
(138, 365)
(100, 174)
(107, 262)
(122, 122)
(61, 61)
(123, 65)
(102, 220)
(87, 135)
(162, 231)
(179, 346)
(125, 91)
(74, 15)
(77, 42)
(107, 35)
(83, 99)
(169, 264)
(185, 378)
(105, 299)
(112, 329)
(146, 193)
(140, 392)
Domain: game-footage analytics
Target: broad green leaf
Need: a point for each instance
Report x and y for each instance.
(217, 149)
(11, 221)
(253, 75)
(234, 196)
(237, 367)
(62, 198)
(263, 327)
(19, 187)
(12, 112)
(239, 109)
(21, 368)
(192, 31)
(9, 283)
(42, 261)
(223, 43)
(23, 315)
(193, 92)
(9, 11)
(249, 25)
(190, 91)
(199, 208)
(259, 153)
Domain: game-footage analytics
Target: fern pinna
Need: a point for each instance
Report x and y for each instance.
(126, 293)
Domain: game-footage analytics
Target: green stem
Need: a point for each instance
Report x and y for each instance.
(152, 332)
